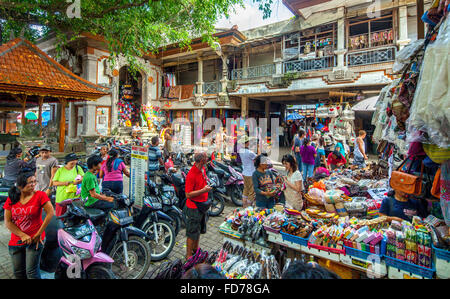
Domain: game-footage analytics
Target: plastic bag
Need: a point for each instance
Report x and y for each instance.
(239, 267)
(430, 110)
(253, 271)
(403, 57)
(316, 194)
(230, 262)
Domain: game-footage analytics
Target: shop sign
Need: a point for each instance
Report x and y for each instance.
(139, 166)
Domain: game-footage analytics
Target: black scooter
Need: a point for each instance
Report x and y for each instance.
(170, 201)
(122, 241)
(217, 194)
(3, 196)
(155, 223)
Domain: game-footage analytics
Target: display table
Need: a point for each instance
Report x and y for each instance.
(373, 268)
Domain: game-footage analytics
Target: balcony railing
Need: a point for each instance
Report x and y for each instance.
(374, 39)
(253, 72)
(212, 87)
(313, 64)
(371, 56)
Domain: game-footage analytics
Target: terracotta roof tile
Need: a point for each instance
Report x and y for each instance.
(25, 65)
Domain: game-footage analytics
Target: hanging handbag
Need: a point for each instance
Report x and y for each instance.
(405, 182)
(436, 188)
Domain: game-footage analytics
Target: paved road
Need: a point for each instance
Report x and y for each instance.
(211, 242)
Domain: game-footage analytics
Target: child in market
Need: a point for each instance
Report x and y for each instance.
(90, 189)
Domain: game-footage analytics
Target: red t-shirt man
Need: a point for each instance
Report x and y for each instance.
(28, 217)
(195, 180)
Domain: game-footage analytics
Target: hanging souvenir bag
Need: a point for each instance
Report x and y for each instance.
(340, 123)
(322, 112)
(333, 112)
(405, 182)
(348, 114)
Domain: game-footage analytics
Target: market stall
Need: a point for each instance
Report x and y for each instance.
(342, 229)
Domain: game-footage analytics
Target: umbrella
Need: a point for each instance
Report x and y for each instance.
(294, 116)
(46, 116)
(31, 116)
(366, 105)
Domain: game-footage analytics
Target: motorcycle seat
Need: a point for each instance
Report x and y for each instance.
(221, 166)
(219, 172)
(95, 214)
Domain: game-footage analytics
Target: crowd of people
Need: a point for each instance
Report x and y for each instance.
(29, 196)
(307, 158)
(31, 190)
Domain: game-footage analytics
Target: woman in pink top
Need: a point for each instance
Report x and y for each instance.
(112, 173)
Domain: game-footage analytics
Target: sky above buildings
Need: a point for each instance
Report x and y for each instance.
(251, 17)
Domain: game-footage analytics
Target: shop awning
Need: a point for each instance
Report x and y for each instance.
(30, 78)
(294, 116)
(366, 105)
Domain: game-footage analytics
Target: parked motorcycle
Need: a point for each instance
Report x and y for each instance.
(231, 179)
(3, 197)
(155, 223)
(80, 244)
(124, 242)
(217, 194)
(235, 165)
(124, 152)
(170, 201)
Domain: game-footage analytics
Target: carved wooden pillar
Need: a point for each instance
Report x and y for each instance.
(62, 125)
(22, 99)
(41, 102)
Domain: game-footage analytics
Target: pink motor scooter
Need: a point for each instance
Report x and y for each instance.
(80, 244)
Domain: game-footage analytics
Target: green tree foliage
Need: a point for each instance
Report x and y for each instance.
(130, 27)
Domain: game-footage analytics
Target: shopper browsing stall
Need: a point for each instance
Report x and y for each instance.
(263, 184)
(340, 145)
(335, 160)
(298, 142)
(308, 154)
(294, 183)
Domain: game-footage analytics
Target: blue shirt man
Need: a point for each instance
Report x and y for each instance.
(154, 155)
